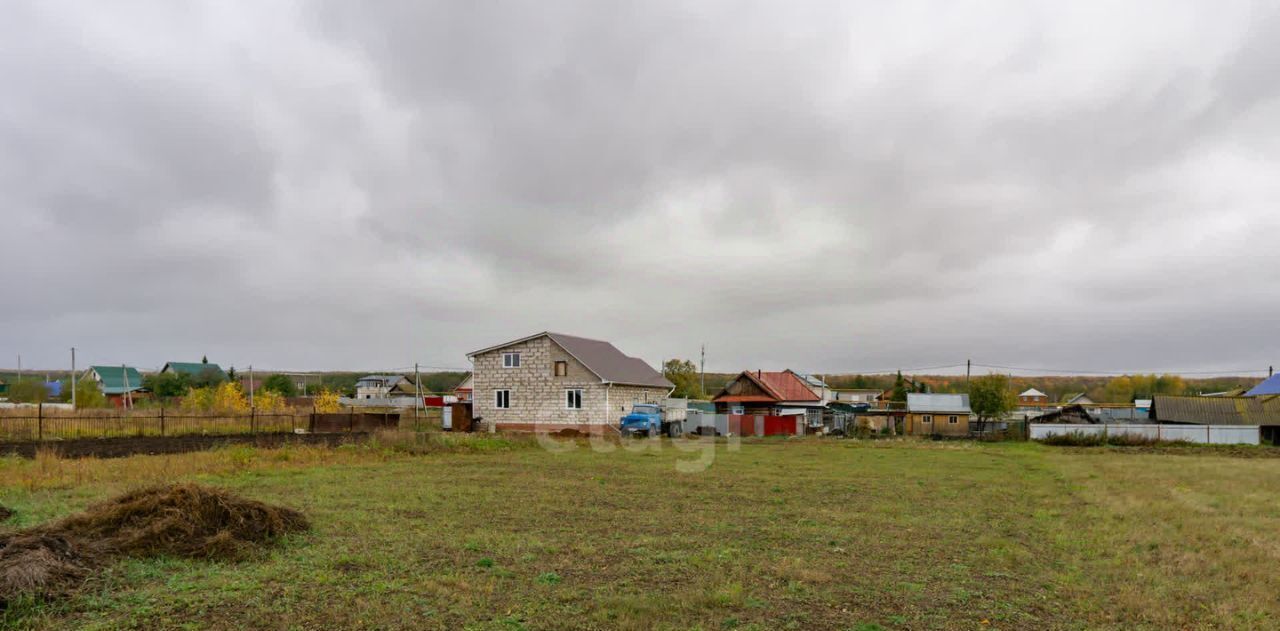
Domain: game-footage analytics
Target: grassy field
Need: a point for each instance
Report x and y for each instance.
(488, 533)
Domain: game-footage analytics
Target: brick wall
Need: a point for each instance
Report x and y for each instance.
(538, 395)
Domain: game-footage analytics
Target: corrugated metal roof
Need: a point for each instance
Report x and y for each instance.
(1269, 386)
(780, 386)
(1264, 410)
(193, 368)
(920, 402)
(600, 357)
(609, 363)
(112, 379)
(784, 385)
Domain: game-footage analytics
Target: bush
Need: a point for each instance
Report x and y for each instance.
(28, 391)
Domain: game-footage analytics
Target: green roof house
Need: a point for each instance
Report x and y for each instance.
(195, 370)
(115, 379)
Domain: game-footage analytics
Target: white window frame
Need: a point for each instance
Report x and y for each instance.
(569, 398)
(953, 420)
(927, 418)
(498, 399)
(511, 360)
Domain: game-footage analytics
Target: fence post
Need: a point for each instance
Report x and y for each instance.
(40, 421)
(162, 419)
(253, 420)
(351, 418)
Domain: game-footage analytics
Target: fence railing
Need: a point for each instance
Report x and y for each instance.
(40, 424)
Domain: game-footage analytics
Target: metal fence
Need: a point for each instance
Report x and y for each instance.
(1208, 434)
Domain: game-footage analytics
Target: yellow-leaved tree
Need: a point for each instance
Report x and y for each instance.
(198, 400)
(268, 401)
(229, 398)
(327, 402)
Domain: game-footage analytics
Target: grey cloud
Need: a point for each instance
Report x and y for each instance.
(828, 186)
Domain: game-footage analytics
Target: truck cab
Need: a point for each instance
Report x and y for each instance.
(645, 418)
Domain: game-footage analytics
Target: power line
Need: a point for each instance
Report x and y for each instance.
(1123, 372)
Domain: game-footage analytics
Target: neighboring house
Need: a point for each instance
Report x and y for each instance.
(1142, 405)
(1268, 387)
(196, 370)
(383, 386)
(121, 384)
(551, 381)
(4, 388)
(783, 393)
(818, 386)
(1070, 413)
(1263, 412)
(1079, 399)
(857, 395)
(463, 390)
(1033, 397)
(1193, 410)
(942, 414)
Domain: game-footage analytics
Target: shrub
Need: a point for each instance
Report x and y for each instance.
(327, 402)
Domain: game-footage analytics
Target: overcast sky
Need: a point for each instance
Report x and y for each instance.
(830, 186)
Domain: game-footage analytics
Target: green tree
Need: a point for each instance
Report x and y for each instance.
(991, 397)
(88, 395)
(207, 377)
(899, 392)
(167, 385)
(1119, 390)
(28, 391)
(280, 384)
(684, 375)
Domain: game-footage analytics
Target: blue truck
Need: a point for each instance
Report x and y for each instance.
(649, 419)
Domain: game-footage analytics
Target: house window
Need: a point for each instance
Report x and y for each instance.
(926, 419)
(562, 368)
(573, 399)
(511, 360)
(952, 420)
(502, 399)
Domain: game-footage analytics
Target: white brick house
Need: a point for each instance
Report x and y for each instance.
(551, 381)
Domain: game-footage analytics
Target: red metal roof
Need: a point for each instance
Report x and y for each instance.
(783, 386)
(788, 385)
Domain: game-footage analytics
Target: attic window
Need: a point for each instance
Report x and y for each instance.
(511, 360)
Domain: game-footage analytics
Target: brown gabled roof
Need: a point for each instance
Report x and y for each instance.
(1216, 410)
(600, 357)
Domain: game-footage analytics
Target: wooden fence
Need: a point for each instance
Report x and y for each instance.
(40, 424)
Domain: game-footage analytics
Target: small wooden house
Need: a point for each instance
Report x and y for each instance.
(937, 414)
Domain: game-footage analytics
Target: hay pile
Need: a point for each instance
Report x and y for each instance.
(185, 520)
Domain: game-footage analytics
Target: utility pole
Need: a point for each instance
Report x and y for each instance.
(702, 370)
(251, 386)
(417, 389)
(968, 366)
(73, 377)
(19, 367)
(126, 396)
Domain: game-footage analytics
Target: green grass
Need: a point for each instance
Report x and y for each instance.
(797, 534)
